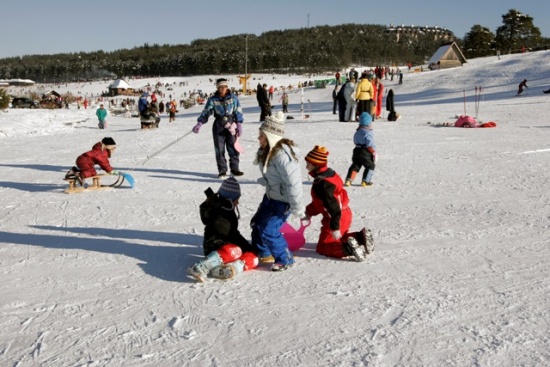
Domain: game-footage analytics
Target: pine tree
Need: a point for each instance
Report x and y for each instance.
(516, 32)
(4, 99)
(478, 42)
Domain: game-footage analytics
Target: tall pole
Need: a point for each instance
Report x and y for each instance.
(245, 63)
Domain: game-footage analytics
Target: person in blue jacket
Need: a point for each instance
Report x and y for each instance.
(227, 126)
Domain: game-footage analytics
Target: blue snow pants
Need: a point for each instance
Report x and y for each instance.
(266, 230)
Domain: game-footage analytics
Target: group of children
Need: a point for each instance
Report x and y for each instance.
(228, 253)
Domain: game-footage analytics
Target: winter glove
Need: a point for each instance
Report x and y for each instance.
(239, 129)
(197, 127)
(305, 220)
(336, 234)
(113, 172)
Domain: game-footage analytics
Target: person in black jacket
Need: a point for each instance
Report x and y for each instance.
(263, 101)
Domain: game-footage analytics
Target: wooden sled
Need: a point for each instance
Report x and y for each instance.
(96, 185)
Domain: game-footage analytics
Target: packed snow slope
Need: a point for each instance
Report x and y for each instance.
(459, 276)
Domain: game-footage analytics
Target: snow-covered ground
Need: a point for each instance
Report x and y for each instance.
(461, 219)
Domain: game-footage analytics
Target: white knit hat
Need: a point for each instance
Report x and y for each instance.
(274, 128)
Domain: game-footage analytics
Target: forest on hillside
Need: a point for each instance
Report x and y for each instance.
(305, 50)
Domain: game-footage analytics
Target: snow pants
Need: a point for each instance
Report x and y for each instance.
(342, 105)
(224, 140)
(328, 245)
(361, 158)
(364, 106)
(350, 111)
(266, 230)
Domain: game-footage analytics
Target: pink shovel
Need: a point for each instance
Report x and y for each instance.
(294, 238)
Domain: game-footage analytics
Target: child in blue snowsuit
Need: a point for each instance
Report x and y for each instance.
(364, 153)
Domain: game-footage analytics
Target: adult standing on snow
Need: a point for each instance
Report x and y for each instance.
(143, 104)
(227, 126)
(363, 95)
(349, 95)
(263, 101)
(282, 179)
(101, 114)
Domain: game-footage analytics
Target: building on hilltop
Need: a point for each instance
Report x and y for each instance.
(416, 31)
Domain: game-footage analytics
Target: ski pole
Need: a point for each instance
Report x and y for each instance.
(464, 90)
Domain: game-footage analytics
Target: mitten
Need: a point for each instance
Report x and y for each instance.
(336, 234)
(197, 127)
(113, 172)
(239, 129)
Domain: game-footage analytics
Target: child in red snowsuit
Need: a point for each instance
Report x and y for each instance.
(330, 199)
(227, 251)
(100, 154)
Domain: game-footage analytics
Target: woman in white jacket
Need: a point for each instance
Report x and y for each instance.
(282, 179)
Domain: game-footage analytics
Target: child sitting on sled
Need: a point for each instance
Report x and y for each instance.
(227, 251)
(330, 199)
(85, 163)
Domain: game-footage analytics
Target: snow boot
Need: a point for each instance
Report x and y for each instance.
(355, 249)
(267, 259)
(367, 240)
(280, 267)
(227, 271)
(201, 269)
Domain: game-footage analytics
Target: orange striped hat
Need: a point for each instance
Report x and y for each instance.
(318, 156)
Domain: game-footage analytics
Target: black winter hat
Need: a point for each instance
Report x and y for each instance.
(109, 142)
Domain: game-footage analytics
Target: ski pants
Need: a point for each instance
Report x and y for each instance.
(266, 230)
(361, 158)
(328, 245)
(364, 106)
(224, 140)
(342, 110)
(350, 111)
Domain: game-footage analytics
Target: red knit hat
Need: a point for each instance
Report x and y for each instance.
(318, 156)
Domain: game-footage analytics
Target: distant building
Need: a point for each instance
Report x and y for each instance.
(416, 31)
(17, 82)
(447, 56)
(120, 86)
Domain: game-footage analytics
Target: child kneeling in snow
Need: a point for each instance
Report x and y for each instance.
(330, 199)
(364, 153)
(227, 251)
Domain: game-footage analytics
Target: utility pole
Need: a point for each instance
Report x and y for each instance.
(307, 20)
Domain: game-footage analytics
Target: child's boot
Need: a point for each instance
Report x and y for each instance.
(227, 271)
(201, 269)
(350, 178)
(353, 248)
(366, 239)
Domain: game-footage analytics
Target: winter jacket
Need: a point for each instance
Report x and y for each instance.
(283, 178)
(262, 97)
(349, 91)
(143, 104)
(101, 114)
(364, 90)
(98, 155)
(328, 198)
(225, 109)
(221, 225)
(364, 137)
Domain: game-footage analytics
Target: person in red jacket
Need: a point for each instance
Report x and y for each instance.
(100, 154)
(330, 199)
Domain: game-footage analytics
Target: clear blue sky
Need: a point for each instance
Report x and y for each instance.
(61, 26)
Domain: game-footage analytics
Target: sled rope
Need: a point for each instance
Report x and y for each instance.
(163, 149)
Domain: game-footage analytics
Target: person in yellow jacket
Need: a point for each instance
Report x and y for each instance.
(364, 94)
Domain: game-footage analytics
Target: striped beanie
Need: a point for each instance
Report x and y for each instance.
(318, 156)
(230, 189)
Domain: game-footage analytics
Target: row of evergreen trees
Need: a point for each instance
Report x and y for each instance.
(303, 50)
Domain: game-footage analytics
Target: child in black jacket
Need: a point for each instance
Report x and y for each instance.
(227, 251)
